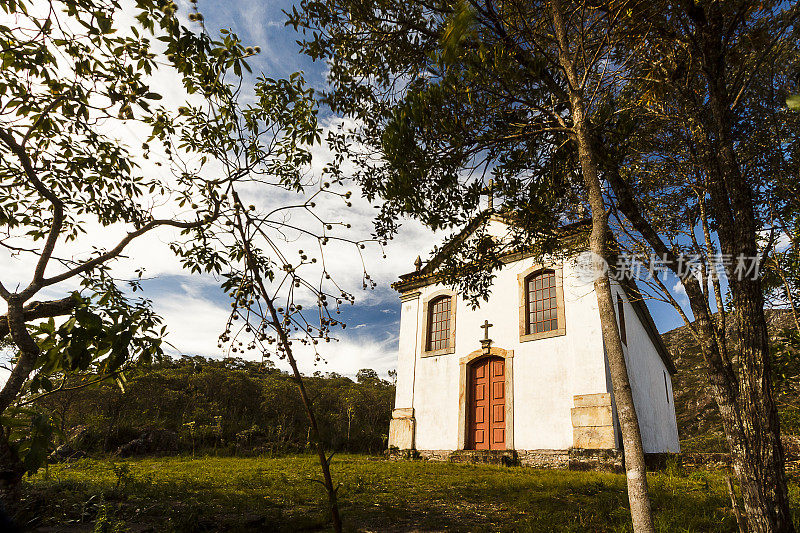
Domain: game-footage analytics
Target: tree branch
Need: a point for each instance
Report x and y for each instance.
(117, 250)
(58, 205)
(36, 310)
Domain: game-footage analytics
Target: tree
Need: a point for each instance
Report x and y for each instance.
(61, 173)
(446, 93)
(697, 162)
(649, 104)
(367, 375)
(71, 80)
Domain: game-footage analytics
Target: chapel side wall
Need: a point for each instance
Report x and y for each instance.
(549, 373)
(653, 400)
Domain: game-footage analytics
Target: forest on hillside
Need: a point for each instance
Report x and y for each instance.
(228, 406)
(699, 422)
(237, 407)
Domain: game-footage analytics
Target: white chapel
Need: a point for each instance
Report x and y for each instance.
(526, 371)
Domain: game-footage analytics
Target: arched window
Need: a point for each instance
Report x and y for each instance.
(541, 304)
(439, 315)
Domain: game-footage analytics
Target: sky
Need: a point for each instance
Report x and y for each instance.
(195, 309)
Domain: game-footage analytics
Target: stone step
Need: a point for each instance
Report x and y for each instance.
(492, 457)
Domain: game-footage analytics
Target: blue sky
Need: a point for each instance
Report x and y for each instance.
(370, 339)
(261, 23)
(195, 309)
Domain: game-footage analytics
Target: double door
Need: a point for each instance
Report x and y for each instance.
(486, 399)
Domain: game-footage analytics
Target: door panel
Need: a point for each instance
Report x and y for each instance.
(486, 412)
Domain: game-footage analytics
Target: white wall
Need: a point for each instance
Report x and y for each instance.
(653, 401)
(547, 372)
(407, 352)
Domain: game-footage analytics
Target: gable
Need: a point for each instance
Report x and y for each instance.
(496, 225)
(572, 233)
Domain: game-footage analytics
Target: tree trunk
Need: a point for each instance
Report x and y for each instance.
(635, 468)
(761, 467)
(636, 472)
(11, 472)
(349, 419)
(28, 352)
(759, 460)
(11, 468)
(283, 339)
(751, 431)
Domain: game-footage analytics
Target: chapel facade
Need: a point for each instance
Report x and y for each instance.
(527, 369)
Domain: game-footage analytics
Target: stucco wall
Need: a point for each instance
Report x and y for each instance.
(547, 373)
(407, 350)
(651, 384)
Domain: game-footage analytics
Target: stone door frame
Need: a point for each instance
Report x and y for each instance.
(463, 366)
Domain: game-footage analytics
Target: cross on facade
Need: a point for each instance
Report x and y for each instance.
(486, 342)
(486, 327)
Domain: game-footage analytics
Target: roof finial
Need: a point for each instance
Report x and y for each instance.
(490, 192)
(418, 263)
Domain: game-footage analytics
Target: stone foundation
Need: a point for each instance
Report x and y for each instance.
(558, 459)
(435, 455)
(600, 460)
(573, 459)
(491, 457)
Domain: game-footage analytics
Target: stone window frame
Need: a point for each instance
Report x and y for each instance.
(524, 336)
(426, 306)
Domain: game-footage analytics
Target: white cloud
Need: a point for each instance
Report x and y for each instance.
(194, 323)
(351, 354)
(193, 318)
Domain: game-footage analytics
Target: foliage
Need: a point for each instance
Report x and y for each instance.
(91, 150)
(786, 368)
(377, 495)
(675, 111)
(30, 431)
(223, 407)
(449, 99)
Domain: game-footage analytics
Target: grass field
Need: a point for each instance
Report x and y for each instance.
(278, 494)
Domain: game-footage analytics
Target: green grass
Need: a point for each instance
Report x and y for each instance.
(278, 494)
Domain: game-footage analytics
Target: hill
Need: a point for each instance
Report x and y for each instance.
(699, 423)
(230, 406)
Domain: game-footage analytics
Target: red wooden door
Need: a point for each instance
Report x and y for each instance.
(486, 415)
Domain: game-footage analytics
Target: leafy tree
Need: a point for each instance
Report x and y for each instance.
(236, 407)
(665, 115)
(367, 375)
(697, 162)
(448, 94)
(66, 75)
(72, 79)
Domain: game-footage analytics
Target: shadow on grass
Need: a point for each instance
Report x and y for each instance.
(278, 494)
